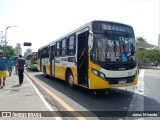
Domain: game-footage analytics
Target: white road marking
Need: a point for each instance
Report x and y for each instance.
(140, 84)
(42, 98)
(137, 102)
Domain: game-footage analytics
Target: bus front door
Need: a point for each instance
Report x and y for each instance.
(52, 61)
(82, 58)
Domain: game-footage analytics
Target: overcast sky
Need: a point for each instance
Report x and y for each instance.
(42, 21)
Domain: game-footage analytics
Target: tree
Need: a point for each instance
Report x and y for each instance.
(142, 55)
(153, 55)
(9, 51)
(148, 56)
(141, 39)
(1, 47)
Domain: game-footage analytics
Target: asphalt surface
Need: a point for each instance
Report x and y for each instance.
(152, 90)
(16, 101)
(143, 97)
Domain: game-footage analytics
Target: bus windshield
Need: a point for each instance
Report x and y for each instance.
(112, 47)
(34, 59)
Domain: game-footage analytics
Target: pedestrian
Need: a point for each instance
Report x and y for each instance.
(20, 66)
(15, 64)
(10, 66)
(3, 68)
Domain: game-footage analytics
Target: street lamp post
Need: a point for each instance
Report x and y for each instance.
(5, 41)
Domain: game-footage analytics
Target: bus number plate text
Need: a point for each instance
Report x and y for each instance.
(122, 81)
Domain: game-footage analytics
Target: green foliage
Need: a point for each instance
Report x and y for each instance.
(1, 48)
(9, 51)
(152, 55)
(141, 39)
(142, 55)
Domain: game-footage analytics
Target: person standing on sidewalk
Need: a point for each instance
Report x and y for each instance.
(20, 66)
(10, 66)
(15, 64)
(3, 68)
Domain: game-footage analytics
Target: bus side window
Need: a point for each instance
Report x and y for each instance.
(58, 49)
(45, 53)
(71, 45)
(63, 47)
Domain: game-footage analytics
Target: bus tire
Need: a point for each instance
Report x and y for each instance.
(70, 80)
(44, 71)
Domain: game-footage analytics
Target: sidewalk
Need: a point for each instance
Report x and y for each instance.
(20, 98)
(150, 67)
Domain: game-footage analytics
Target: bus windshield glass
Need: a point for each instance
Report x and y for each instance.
(34, 59)
(113, 47)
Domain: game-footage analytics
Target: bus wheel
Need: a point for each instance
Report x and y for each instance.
(44, 72)
(70, 80)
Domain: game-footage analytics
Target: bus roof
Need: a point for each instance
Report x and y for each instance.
(80, 28)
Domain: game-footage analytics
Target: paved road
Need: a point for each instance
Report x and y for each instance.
(152, 90)
(144, 97)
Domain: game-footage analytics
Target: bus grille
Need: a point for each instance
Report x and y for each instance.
(113, 81)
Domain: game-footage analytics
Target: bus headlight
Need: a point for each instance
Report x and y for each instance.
(95, 72)
(99, 74)
(102, 75)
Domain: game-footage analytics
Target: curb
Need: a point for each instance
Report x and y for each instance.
(148, 67)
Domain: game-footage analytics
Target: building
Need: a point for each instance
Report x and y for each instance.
(145, 45)
(18, 49)
(159, 41)
(28, 51)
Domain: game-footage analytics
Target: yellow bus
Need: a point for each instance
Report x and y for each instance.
(97, 55)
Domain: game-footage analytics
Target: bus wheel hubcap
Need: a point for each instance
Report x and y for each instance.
(70, 79)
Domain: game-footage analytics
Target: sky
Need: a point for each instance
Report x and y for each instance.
(43, 21)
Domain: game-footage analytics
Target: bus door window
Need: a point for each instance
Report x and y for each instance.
(58, 49)
(52, 52)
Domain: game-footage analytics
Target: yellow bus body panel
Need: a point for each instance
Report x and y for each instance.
(60, 72)
(96, 82)
(47, 69)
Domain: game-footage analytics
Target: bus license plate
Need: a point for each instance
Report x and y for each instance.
(122, 81)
